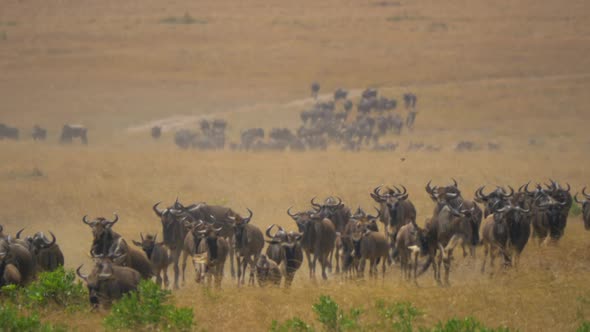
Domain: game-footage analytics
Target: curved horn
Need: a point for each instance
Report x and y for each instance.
(519, 209)
(584, 193)
(577, 200)
(82, 276)
(291, 215)
(47, 245)
(155, 236)
(217, 230)
(268, 231)
(568, 187)
(314, 204)
(378, 213)
(429, 188)
(141, 236)
(247, 220)
(158, 212)
(19, 232)
(526, 189)
(377, 190)
(339, 204)
(85, 220)
(506, 195)
(111, 223)
(455, 184)
(505, 208)
(399, 191)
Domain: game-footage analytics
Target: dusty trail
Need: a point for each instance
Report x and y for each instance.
(181, 121)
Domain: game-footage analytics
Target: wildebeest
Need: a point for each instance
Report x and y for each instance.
(158, 256)
(315, 89)
(268, 271)
(506, 231)
(249, 244)
(8, 132)
(585, 208)
(69, 132)
(284, 248)
(17, 265)
(107, 242)
(184, 138)
(318, 239)
(548, 218)
(372, 246)
(108, 282)
(156, 132)
(410, 243)
(334, 210)
(213, 250)
(396, 210)
(340, 93)
(47, 253)
(38, 133)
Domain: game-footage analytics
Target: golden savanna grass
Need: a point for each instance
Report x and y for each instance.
(505, 72)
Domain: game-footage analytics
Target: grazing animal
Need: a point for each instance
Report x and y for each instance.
(69, 132)
(158, 256)
(108, 282)
(249, 244)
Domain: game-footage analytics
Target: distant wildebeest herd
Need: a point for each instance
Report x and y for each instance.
(69, 132)
(329, 233)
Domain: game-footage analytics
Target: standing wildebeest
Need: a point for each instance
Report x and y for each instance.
(410, 243)
(340, 94)
(107, 242)
(547, 215)
(371, 245)
(213, 250)
(284, 248)
(249, 244)
(396, 210)
(507, 230)
(318, 239)
(47, 253)
(39, 134)
(174, 236)
(315, 89)
(69, 132)
(108, 282)
(8, 132)
(339, 214)
(158, 256)
(156, 132)
(585, 208)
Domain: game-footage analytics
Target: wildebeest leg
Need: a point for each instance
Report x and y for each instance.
(485, 257)
(253, 270)
(338, 257)
(230, 240)
(239, 263)
(165, 273)
(324, 263)
(415, 268)
(313, 263)
(492, 256)
(309, 263)
(175, 258)
(158, 277)
(437, 264)
(185, 254)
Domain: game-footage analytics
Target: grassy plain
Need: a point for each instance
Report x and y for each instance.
(506, 72)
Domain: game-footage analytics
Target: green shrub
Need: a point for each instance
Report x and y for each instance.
(57, 287)
(294, 324)
(575, 210)
(468, 324)
(10, 320)
(148, 308)
(396, 316)
(584, 327)
(333, 318)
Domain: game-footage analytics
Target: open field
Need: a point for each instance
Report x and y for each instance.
(506, 72)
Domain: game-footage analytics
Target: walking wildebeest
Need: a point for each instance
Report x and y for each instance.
(69, 132)
(507, 230)
(39, 134)
(249, 244)
(108, 282)
(158, 256)
(8, 132)
(585, 208)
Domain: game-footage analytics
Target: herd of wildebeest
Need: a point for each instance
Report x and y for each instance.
(341, 240)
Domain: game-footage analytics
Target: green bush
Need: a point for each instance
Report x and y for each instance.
(148, 308)
(398, 316)
(57, 287)
(294, 324)
(333, 318)
(10, 320)
(584, 327)
(468, 324)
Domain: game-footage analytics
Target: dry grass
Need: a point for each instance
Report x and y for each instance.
(504, 72)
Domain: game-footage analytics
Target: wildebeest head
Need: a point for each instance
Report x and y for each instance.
(172, 228)
(102, 271)
(560, 194)
(100, 225)
(240, 224)
(147, 243)
(279, 236)
(329, 208)
(39, 241)
(495, 200)
(300, 218)
(442, 195)
(389, 201)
